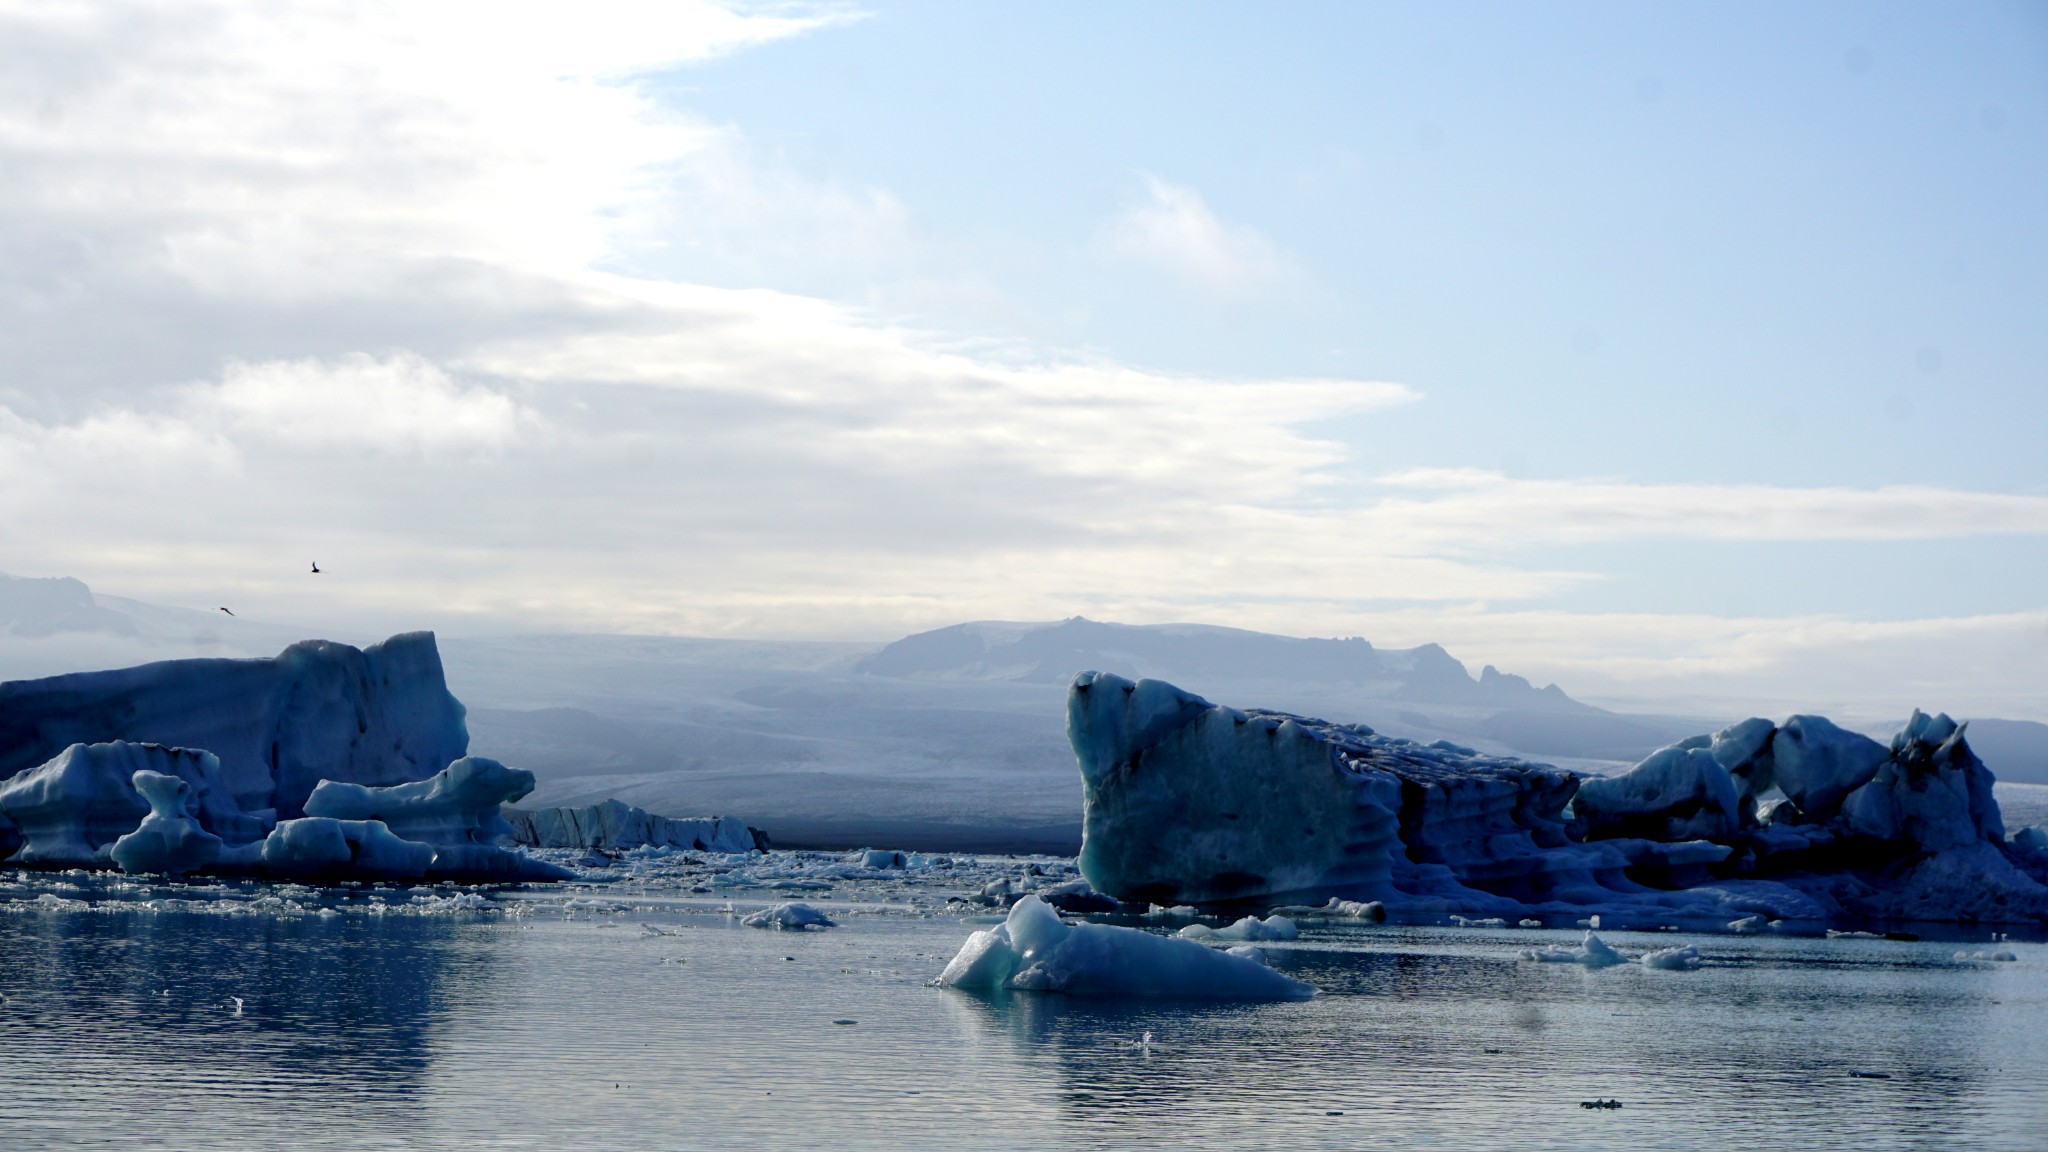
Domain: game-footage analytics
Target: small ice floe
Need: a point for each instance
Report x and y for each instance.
(1177, 912)
(1249, 928)
(2000, 955)
(1479, 922)
(1841, 934)
(1034, 950)
(1683, 958)
(1594, 953)
(883, 858)
(1592, 921)
(1529, 922)
(794, 917)
(1748, 925)
(1335, 909)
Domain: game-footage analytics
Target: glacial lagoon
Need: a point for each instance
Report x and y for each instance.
(639, 1012)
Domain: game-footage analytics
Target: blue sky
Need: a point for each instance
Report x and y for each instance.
(1592, 234)
(1680, 350)
(1692, 243)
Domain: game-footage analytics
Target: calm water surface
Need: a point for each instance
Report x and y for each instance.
(650, 1020)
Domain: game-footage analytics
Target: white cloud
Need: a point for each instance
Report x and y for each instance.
(358, 402)
(1500, 511)
(1175, 230)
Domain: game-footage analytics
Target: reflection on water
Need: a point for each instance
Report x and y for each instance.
(111, 1017)
(536, 1030)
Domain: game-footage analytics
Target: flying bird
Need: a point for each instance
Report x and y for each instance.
(316, 567)
(229, 613)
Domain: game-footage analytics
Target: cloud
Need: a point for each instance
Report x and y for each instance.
(358, 402)
(1175, 231)
(1472, 505)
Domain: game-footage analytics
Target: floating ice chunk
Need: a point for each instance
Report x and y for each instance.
(1034, 950)
(1479, 922)
(322, 847)
(1593, 953)
(1748, 925)
(168, 840)
(1177, 912)
(1334, 909)
(1683, 958)
(2001, 955)
(1249, 928)
(457, 805)
(456, 811)
(1529, 922)
(884, 858)
(793, 917)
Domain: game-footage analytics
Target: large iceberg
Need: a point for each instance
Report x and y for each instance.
(1034, 950)
(278, 727)
(1190, 802)
(188, 765)
(616, 825)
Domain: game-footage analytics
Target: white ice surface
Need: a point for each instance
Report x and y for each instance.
(1034, 950)
(792, 917)
(1250, 928)
(1593, 953)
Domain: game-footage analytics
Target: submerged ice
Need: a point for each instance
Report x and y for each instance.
(1191, 802)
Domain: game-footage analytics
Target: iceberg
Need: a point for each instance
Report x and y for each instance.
(457, 805)
(614, 825)
(317, 847)
(277, 727)
(1188, 802)
(1683, 958)
(1034, 950)
(168, 840)
(186, 765)
(789, 917)
(1247, 929)
(456, 811)
(1592, 953)
(70, 811)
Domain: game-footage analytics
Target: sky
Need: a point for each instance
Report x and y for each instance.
(1674, 352)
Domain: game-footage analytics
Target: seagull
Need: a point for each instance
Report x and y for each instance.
(229, 613)
(316, 567)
